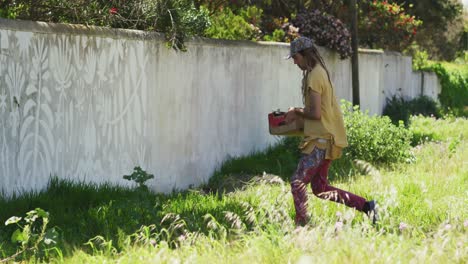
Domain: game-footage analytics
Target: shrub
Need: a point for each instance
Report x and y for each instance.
(420, 59)
(227, 25)
(177, 19)
(425, 106)
(325, 30)
(277, 35)
(386, 25)
(375, 138)
(454, 81)
(399, 109)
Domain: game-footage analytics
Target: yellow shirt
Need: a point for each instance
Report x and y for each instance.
(329, 132)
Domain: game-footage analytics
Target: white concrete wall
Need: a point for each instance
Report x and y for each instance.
(92, 103)
(370, 81)
(431, 87)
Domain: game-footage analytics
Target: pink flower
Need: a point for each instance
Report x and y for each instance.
(465, 223)
(113, 10)
(403, 226)
(338, 225)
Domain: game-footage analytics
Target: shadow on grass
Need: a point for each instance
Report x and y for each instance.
(83, 211)
(280, 160)
(421, 138)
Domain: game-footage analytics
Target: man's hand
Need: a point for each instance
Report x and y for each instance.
(291, 115)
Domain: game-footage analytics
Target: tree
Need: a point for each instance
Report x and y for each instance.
(442, 25)
(386, 25)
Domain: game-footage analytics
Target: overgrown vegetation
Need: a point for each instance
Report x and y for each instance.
(453, 78)
(421, 221)
(442, 18)
(399, 109)
(227, 25)
(178, 19)
(374, 138)
(382, 24)
(386, 25)
(454, 81)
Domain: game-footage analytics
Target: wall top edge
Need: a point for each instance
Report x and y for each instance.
(76, 29)
(370, 51)
(79, 29)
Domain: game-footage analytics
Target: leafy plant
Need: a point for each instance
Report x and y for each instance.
(178, 19)
(140, 177)
(386, 25)
(420, 59)
(454, 81)
(325, 30)
(277, 35)
(375, 138)
(227, 25)
(441, 18)
(32, 233)
(399, 109)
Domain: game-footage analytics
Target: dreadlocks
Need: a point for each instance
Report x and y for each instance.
(312, 57)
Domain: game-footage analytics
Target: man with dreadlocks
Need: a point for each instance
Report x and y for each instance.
(324, 134)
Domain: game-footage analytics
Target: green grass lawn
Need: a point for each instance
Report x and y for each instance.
(424, 217)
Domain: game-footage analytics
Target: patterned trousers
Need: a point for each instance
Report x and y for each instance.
(313, 168)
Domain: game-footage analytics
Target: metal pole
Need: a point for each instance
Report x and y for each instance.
(354, 57)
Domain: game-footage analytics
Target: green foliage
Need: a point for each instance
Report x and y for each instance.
(386, 25)
(462, 57)
(277, 35)
(177, 19)
(140, 177)
(32, 235)
(374, 138)
(399, 109)
(420, 59)
(446, 129)
(425, 106)
(441, 18)
(325, 30)
(227, 25)
(454, 81)
(12, 12)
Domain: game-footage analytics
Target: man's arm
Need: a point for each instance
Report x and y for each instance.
(311, 111)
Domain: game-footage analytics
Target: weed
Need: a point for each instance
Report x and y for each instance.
(140, 177)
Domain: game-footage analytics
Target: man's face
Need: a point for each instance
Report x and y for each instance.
(299, 60)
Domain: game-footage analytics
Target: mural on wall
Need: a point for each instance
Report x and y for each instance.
(70, 106)
(75, 103)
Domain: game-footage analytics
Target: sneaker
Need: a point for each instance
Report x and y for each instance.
(302, 221)
(372, 213)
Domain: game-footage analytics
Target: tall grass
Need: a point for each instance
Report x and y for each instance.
(422, 206)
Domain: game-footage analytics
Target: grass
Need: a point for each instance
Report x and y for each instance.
(422, 205)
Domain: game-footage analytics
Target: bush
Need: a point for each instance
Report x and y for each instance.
(454, 81)
(385, 25)
(325, 30)
(227, 25)
(177, 19)
(374, 138)
(399, 109)
(425, 106)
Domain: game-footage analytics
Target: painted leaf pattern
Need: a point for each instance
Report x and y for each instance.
(70, 106)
